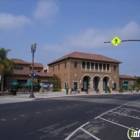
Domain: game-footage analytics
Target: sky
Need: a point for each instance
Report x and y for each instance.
(60, 27)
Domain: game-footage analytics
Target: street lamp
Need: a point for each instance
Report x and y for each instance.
(33, 48)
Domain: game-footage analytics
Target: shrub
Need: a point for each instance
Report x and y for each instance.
(97, 91)
(86, 91)
(125, 88)
(107, 90)
(121, 90)
(56, 89)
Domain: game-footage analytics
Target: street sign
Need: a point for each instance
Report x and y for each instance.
(116, 41)
(32, 74)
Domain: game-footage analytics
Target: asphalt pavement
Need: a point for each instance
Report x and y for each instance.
(70, 117)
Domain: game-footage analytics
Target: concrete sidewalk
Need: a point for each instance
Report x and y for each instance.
(20, 97)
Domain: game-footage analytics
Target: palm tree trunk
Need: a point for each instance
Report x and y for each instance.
(2, 83)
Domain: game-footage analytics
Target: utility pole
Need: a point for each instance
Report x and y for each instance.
(33, 48)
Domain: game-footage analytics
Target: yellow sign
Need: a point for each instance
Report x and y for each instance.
(116, 41)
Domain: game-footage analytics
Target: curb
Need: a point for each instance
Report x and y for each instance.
(45, 98)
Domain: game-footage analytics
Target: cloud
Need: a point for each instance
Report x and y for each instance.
(131, 30)
(11, 22)
(56, 48)
(95, 38)
(89, 38)
(46, 10)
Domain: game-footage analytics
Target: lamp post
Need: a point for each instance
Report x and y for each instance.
(33, 48)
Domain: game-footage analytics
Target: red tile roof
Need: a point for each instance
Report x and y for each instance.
(26, 73)
(86, 56)
(127, 77)
(19, 61)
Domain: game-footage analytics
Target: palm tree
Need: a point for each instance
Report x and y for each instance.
(5, 65)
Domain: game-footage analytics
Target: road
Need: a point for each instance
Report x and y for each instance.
(103, 117)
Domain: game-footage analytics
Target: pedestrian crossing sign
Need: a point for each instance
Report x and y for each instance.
(116, 41)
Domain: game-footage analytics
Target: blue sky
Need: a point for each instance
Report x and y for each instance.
(60, 27)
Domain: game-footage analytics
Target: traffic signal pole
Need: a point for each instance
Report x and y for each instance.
(125, 40)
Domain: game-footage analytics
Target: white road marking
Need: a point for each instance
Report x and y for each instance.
(115, 108)
(131, 109)
(132, 105)
(90, 134)
(76, 131)
(126, 115)
(111, 110)
(114, 123)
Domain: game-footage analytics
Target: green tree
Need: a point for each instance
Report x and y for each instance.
(56, 82)
(136, 85)
(137, 79)
(5, 66)
(37, 86)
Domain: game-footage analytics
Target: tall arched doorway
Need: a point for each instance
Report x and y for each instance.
(86, 81)
(96, 81)
(105, 82)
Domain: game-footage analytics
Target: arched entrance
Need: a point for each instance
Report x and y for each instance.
(86, 81)
(96, 81)
(105, 82)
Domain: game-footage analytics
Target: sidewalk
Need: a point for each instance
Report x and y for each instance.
(48, 95)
